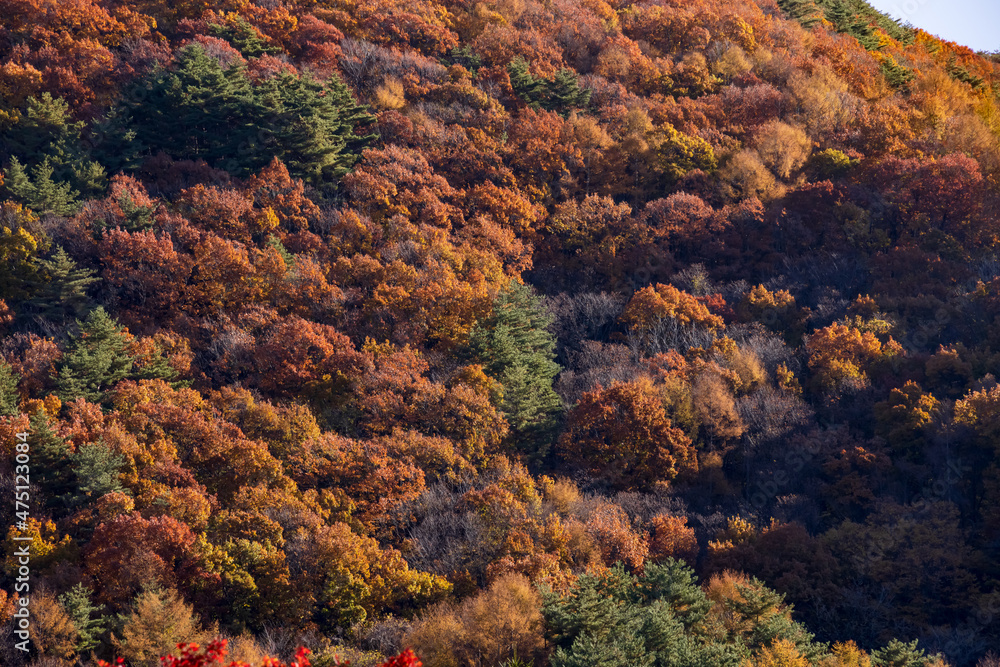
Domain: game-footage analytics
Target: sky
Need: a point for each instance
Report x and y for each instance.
(973, 23)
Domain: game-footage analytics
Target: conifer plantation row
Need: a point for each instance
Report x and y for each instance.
(549, 333)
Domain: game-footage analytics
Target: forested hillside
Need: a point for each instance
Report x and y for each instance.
(516, 332)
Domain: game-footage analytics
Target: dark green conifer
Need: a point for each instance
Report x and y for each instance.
(466, 57)
(197, 109)
(597, 623)
(244, 38)
(17, 182)
(95, 360)
(51, 463)
(840, 15)
(562, 93)
(60, 288)
(85, 614)
(46, 132)
(306, 130)
(8, 390)
(805, 12)
(355, 118)
(899, 654)
(516, 348)
(157, 367)
(565, 93)
(96, 468)
(658, 619)
(757, 601)
(40, 192)
(137, 218)
(676, 584)
(529, 88)
(664, 635)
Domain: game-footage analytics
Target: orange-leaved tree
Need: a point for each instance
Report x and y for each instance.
(623, 435)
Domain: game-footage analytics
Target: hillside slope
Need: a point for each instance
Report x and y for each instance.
(361, 322)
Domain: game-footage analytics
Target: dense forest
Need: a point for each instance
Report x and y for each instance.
(578, 333)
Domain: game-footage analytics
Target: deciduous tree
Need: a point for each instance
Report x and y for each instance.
(623, 436)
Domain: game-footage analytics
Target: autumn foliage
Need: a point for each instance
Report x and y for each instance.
(622, 434)
(485, 328)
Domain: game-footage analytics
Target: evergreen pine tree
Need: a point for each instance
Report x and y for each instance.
(95, 360)
(840, 15)
(8, 390)
(45, 130)
(307, 132)
(60, 289)
(516, 348)
(90, 177)
(216, 109)
(529, 88)
(899, 654)
(17, 182)
(90, 627)
(137, 218)
(587, 607)
(197, 109)
(664, 635)
(565, 93)
(596, 624)
(50, 196)
(716, 654)
(96, 469)
(659, 619)
(612, 647)
(895, 74)
(466, 57)
(244, 38)
(51, 459)
(354, 116)
(40, 192)
(757, 602)
(42, 129)
(672, 581)
(561, 94)
(804, 11)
